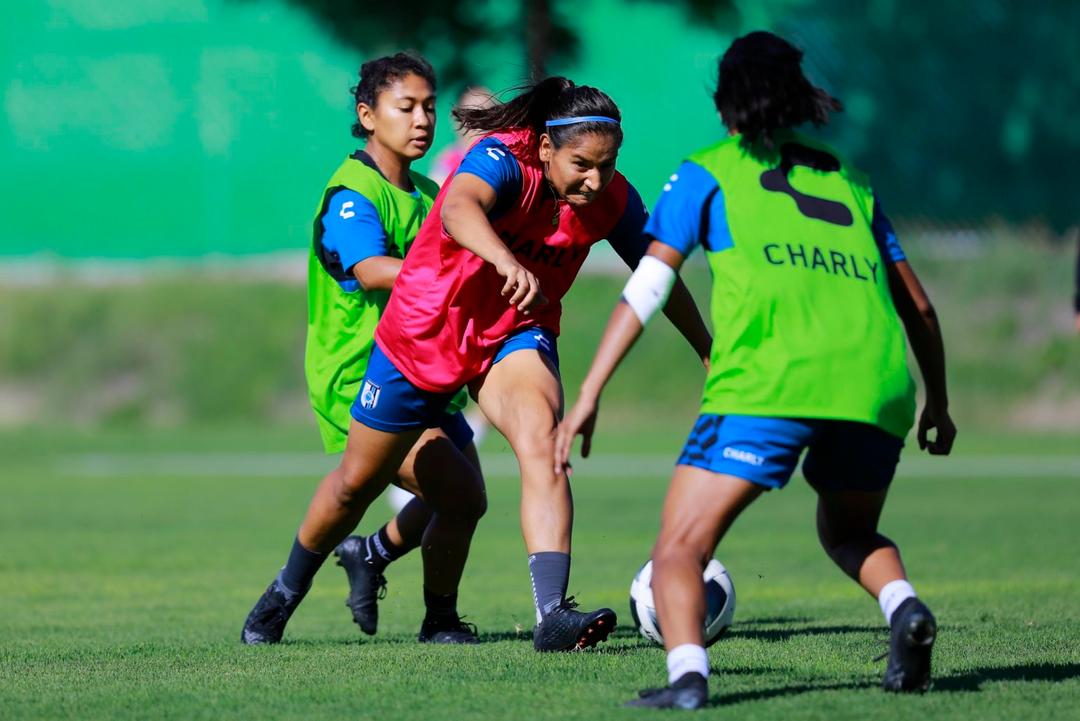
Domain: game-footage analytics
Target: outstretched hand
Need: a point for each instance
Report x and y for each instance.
(946, 432)
(580, 420)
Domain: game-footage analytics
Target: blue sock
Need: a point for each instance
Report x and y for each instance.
(300, 569)
(550, 571)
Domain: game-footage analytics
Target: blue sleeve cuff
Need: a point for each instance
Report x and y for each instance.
(491, 161)
(352, 229)
(628, 236)
(885, 236)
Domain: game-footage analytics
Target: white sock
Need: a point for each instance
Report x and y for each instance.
(688, 658)
(892, 595)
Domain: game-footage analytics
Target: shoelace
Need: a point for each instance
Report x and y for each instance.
(380, 580)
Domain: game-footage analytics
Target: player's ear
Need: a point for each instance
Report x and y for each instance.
(547, 150)
(366, 115)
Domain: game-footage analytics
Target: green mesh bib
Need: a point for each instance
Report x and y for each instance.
(803, 318)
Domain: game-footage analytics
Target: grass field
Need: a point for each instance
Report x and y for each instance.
(131, 559)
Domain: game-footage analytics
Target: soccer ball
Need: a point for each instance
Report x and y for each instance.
(719, 603)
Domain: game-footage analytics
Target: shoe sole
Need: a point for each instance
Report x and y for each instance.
(919, 639)
(596, 631)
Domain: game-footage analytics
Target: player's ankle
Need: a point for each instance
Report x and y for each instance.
(689, 658)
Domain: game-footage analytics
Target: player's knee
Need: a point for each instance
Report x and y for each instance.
(534, 441)
(351, 482)
(680, 548)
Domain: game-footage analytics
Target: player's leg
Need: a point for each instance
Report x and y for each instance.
(728, 462)
(369, 464)
(365, 559)
(388, 417)
(522, 397)
(851, 466)
(699, 509)
(449, 481)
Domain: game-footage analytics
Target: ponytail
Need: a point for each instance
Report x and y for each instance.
(552, 98)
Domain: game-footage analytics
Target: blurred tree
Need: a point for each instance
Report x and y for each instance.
(456, 26)
(962, 109)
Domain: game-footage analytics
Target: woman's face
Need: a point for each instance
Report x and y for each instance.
(403, 119)
(581, 168)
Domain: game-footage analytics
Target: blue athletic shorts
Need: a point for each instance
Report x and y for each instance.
(389, 402)
(842, 455)
(538, 339)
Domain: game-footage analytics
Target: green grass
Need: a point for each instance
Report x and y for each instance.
(124, 592)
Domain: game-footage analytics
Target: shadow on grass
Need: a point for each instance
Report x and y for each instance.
(971, 681)
(783, 634)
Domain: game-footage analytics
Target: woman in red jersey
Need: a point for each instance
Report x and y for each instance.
(477, 304)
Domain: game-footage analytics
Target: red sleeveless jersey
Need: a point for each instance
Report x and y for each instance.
(446, 320)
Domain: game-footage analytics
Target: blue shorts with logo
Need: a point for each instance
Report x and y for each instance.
(841, 455)
(389, 402)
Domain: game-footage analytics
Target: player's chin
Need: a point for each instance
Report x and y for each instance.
(579, 200)
(415, 149)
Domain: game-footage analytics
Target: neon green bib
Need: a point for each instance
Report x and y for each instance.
(803, 318)
(341, 324)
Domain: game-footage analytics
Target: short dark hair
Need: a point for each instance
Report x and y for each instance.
(378, 74)
(761, 88)
(549, 99)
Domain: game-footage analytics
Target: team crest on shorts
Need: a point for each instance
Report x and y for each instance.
(369, 395)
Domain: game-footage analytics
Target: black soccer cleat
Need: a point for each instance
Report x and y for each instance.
(565, 629)
(367, 586)
(447, 629)
(690, 691)
(266, 622)
(913, 630)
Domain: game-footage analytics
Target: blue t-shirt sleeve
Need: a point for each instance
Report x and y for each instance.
(885, 236)
(628, 236)
(690, 211)
(352, 231)
(491, 161)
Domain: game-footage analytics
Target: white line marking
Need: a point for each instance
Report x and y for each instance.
(612, 465)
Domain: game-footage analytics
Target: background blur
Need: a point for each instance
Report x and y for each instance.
(163, 159)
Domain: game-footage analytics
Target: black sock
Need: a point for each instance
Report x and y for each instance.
(440, 605)
(380, 550)
(550, 571)
(300, 569)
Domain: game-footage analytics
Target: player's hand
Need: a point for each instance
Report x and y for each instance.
(946, 432)
(521, 286)
(581, 419)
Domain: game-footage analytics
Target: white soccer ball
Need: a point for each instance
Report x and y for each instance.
(719, 603)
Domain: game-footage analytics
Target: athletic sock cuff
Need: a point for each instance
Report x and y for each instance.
(892, 595)
(687, 658)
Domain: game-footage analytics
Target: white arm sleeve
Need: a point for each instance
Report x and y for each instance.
(649, 287)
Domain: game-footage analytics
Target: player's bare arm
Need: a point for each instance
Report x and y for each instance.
(464, 215)
(623, 329)
(377, 272)
(924, 331)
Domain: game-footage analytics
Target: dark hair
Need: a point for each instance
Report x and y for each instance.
(549, 99)
(378, 74)
(762, 89)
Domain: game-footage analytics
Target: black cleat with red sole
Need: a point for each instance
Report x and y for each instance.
(567, 629)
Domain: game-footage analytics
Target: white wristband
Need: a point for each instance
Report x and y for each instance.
(649, 287)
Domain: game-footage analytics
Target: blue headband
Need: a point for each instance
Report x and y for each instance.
(581, 119)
